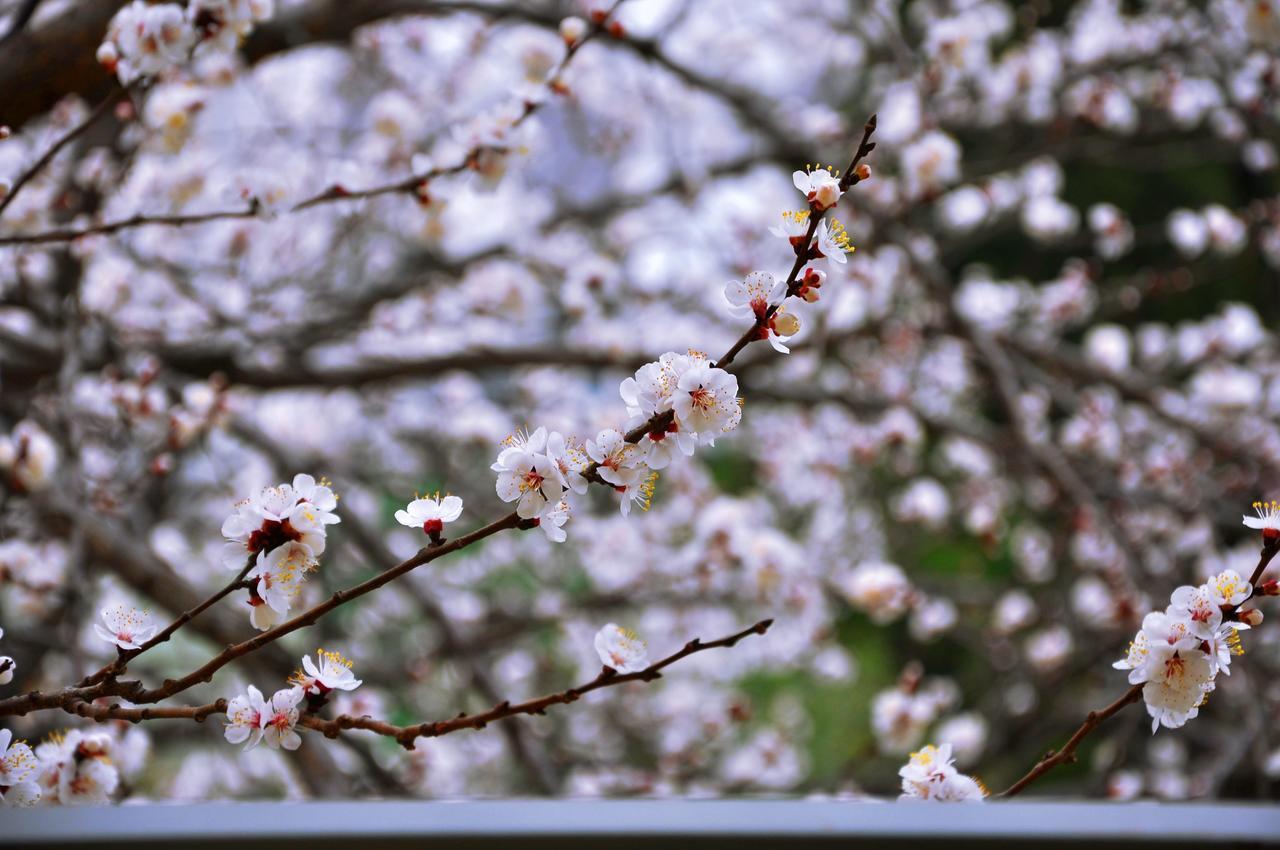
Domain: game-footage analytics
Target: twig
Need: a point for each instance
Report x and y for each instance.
(71, 135)
(848, 180)
(608, 677)
(115, 668)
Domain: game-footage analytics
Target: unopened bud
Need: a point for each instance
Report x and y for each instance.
(108, 56)
(1269, 588)
(572, 29)
(1250, 617)
(5, 132)
(863, 171)
(161, 464)
(808, 293)
(786, 324)
(814, 277)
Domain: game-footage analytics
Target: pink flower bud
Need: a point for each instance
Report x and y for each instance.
(1250, 617)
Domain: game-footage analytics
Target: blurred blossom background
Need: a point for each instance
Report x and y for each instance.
(1037, 398)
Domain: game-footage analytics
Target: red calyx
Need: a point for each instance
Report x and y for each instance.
(271, 535)
(660, 434)
(433, 526)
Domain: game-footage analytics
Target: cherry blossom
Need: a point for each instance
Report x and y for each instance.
(930, 774)
(244, 718)
(527, 476)
(329, 672)
(127, 628)
(18, 768)
(430, 515)
(705, 401)
(278, 576)
(1268, 519)
(820, 186)
(279, 715)
(621, 649)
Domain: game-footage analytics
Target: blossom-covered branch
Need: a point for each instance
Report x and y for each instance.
(608, 677)
(1176, 655)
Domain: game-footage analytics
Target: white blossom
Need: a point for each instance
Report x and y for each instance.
(279, 576)
(76, 769)
(299, 512)
(127, 628)
(621, 649)
(752, 296)
(552, 521)
(279, 716)
(18, 769)
(820, 186)
(430, 515)
(1268, 519)
(527, 476)
(329, 672)
(930, 774)
(705, 401)
(244, 718)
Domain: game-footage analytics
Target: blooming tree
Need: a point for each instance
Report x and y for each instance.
(466, 252)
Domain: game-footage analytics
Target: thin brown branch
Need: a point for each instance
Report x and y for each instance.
(66, 139)
(850, 178)
(608, 677)
(115, 668)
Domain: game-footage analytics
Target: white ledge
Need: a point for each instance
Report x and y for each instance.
(749, 822)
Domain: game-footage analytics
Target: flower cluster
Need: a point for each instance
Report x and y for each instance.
(930, 774)
(146, 40)
(1178, 653)
(277, 535)
(74, 768)
(682, 401)
(254, 719)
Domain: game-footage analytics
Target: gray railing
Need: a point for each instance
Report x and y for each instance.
(739, 823)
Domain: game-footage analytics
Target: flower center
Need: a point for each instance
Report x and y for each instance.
(271, 535)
